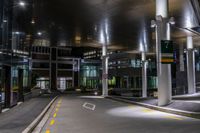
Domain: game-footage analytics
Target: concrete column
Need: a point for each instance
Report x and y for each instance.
(162, 8)
(53, 69)
(144, 75)
(73, 73)
(104, 71)
(50, 62)
(79, 70)
(127, 83)
(163, 70)
(181, 58)
(191, 66)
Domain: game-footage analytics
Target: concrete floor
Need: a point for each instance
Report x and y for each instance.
(79, 114)
(191, 104)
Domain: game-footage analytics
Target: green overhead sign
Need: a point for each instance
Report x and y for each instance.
(167, 52)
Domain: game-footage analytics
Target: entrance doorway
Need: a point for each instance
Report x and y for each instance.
(43, 83)
(64, 83)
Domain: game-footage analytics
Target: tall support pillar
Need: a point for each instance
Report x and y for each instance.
(144, 75)
(162, 25)
(191, 66)
(181, 58)
(104, 71)
(73, 75)
(127, 83)
(53, 69)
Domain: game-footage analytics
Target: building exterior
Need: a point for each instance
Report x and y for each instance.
(125, 72)
(14, 56)
(54, 68)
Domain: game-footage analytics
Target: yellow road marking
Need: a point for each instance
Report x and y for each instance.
(54, 115)
(57, 109)
(48, 131)
(60, 101)
(147, 110)
(52, 122)
(174, 117)
(131, 106)
(58, 105)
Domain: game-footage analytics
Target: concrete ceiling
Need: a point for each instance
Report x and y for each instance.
(79, 22)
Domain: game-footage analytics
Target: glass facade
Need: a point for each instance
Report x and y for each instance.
(14, 55)
(90, 76)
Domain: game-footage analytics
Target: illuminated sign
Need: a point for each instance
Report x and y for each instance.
(167, 52)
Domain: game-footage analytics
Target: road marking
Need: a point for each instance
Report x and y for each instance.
(60, 101)
(147, 110)
(48, 131)
(131, 106)
(54, 115)
(174, 117)
(89, 106)
(57, 109)
(52, 122)
(58, 105)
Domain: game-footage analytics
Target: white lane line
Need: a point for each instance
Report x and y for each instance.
(89, 106)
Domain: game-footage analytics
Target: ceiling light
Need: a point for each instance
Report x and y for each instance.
(22, 3)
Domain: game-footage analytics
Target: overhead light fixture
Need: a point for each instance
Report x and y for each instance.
(22, 3)
(17, 32)
(39, 33)
(77, 38)
(5, 21)
(33, 22)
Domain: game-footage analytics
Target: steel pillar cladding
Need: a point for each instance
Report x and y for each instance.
(191, 78)
(104, 71)
(144, 75)
(163, 70)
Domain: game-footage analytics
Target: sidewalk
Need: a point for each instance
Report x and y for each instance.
(18, 118)
(186, 105)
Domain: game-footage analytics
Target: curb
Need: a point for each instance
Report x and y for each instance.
(32, 126)
(162, 109)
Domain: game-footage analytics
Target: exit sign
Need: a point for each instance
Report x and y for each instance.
(167, 52)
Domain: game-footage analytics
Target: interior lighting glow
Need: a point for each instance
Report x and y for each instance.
(22, 3)
(104, 32)
(39, 33)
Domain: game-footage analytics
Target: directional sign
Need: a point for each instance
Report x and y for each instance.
(167, 52)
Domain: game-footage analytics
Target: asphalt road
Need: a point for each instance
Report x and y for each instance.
(79, 114)
(19, 117)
